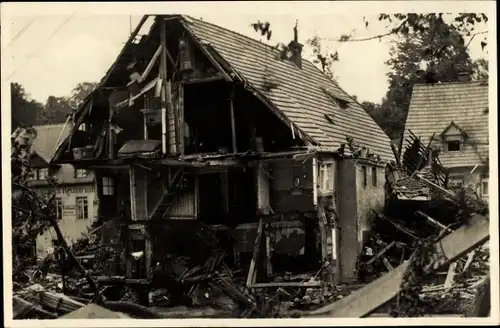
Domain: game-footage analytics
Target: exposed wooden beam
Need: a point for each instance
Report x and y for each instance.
(152, 62)
(233, 124)
(372, 296)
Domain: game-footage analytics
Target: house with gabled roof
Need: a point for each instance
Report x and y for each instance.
(452, 118)
(196, 127)
(73, 189)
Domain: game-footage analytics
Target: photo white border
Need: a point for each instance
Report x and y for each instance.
(11, 10)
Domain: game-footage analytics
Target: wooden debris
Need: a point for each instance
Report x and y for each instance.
(366, 300)
(450, 276)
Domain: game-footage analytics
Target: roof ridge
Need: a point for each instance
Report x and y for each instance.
(269, 46)
(232, 31)
(453, 82)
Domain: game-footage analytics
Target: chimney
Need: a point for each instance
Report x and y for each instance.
(295, 47)
(464, 77)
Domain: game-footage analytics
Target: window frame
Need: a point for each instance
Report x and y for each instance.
(485, 180)
(77, 176)
(326, 178)
(108, 186)
(82, 207)
(455, 142)
(59, 207)
(39, 173)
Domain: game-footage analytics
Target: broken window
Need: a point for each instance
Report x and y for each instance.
(365, 178)
(82, 208)
(82, 127)
(374, 176)
(455, 181)
(108, 186)
(81, 173)
(453, 145)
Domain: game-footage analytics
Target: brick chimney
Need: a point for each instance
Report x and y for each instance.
(464, 77)
(295, 48)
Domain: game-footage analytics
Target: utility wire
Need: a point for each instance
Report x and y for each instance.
(48, 40)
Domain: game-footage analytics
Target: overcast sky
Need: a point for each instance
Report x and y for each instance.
(56, 47)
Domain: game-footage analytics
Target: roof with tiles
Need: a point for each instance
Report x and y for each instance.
(434, 107)
(299, 94)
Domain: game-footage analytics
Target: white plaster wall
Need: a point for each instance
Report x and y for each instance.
(71, 227)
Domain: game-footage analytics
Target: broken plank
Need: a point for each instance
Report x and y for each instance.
(388, 265)
(306, 284)
(152, 62)
(470, 257)
(450, 276)
(433, 221)
(380, 253)
(369, 298)
(252, 274)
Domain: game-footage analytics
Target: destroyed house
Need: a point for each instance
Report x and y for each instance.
(452, 119)
(195, 128)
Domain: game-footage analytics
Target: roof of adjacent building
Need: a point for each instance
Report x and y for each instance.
(300, 94)
(434, 107)
(48, 138)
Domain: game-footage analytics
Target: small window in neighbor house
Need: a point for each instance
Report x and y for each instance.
(454, 145)
(365, 178)
(81, 173)
(374, 176)
(59, 208)
(108, 186)
(484, 187)
(31, 175)
(43, 174)
(325, 178)
(82, 208)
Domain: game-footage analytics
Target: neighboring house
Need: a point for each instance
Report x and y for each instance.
(455, 116)
(74, 189)
(195, 124)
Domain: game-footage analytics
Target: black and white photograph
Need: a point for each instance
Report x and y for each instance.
(206, 163)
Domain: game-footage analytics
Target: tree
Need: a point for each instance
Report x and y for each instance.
(57, 109)
(24, 110)
(436, 54)
(480, 69)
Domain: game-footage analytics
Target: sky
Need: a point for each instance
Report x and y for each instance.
(50, 51)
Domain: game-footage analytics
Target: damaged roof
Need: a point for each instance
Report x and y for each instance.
(48, 136)
(434, 107)
(304, 95)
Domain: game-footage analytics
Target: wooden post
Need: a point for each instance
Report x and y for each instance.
(180, 107)
(233, 124)
(163, 79)
(111, 147)
(315, 180)
(252, 272)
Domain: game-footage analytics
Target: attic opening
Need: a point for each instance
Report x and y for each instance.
(337, 98)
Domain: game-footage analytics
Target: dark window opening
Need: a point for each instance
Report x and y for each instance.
(365, 179)
(453, 145)
(374, 176)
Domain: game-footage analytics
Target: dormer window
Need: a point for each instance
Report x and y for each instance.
(453, 137)
(453, 145)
